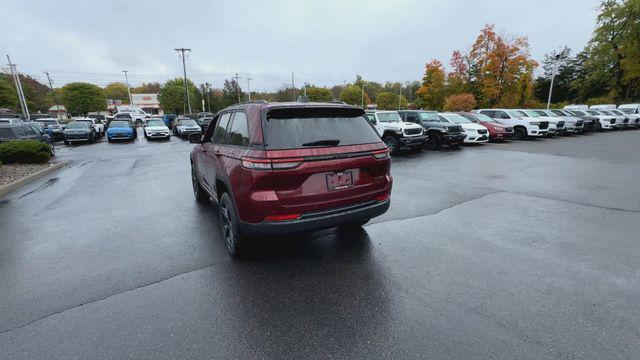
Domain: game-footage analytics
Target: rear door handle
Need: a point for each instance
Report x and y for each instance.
(218, 153)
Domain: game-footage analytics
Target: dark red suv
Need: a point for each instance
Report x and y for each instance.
(277, 168)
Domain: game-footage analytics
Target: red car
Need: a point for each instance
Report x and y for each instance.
(276, 168)
(497, 131)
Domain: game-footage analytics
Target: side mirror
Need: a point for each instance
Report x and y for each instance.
(195, 139)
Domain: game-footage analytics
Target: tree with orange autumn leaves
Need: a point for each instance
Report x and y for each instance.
(498, 72)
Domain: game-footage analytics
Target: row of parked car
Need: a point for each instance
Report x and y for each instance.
(419, 128)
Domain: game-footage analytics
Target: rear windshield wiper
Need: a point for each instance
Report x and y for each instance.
(326, 142)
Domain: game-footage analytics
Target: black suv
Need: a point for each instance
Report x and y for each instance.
(25, 131)
(438, 131)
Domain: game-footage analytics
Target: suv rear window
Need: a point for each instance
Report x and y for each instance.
(317, 127)
(6, 134)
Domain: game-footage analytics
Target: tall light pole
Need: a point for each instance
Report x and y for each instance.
(126, 82)
(16, 79)
(293, 86)
(53, 94)
(362, 96)
(400, 98)
(182, 52)
(249, 87)
(553, 77)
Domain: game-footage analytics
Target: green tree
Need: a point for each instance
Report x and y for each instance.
(318, 94)
(147, 88)
(117, 91)
(231, 91)
(352, 95)
(81, 98)
(172, 96)
(8, 95)
(389, 101)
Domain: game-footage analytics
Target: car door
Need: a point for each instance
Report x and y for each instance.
(211, 152)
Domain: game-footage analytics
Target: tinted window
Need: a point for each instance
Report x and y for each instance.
(429, 116)
(29, 130)
(19, 131)
(413, 117)
(501, 115)
(219, 132)
(6, 134)
(306, 128)
(238, 133)
(489, 113)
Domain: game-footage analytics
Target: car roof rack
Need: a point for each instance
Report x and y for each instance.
(253, 102)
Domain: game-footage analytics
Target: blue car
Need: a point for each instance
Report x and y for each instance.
(121, 130)
(168, 119)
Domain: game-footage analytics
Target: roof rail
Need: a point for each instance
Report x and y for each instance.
(253, 102)
(336, 102)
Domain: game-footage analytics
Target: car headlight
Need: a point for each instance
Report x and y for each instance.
(534, 123)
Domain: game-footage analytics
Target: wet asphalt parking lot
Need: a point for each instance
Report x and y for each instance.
(527, 250)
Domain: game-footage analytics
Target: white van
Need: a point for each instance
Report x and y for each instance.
(576, 107)
(603, 107)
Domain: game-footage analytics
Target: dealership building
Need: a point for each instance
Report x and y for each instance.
(147, 102)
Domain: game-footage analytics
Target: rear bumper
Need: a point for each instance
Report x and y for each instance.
(318, 220)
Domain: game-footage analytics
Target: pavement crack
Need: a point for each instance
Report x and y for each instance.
(575, 202)
(31, 322)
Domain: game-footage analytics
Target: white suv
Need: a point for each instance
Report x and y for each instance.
(556, 125)
(476, 133)
(523, 127)
(607, 122)
(396, 133)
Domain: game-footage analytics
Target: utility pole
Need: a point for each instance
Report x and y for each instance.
(126, 81)
(238, 85)
(53, 94)
(208, 92)
(556, 57)
(182, 53)
(23, 100)
(293, 86)
(362, 98)
(249, 87)
(400, 98)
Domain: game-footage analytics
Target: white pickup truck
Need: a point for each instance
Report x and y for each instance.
(97, 124)
(523, 127)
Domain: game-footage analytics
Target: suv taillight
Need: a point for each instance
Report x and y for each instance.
(269, 164)
(381, 154)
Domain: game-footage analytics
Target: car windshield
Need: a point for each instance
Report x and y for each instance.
(456, 118)
(531, 113)
(617, 112)
(577, 112)
(6, 133)
(188, 122)
(47, 122)
(593, 112)
(541, 113)
(77, 125)
(516, 113)
(389, 117)
(155, 123)
(429, 116)
(556, 113)
(119, 124)
(605, 112)
(306, 128)
(484, 118)
(627, 110)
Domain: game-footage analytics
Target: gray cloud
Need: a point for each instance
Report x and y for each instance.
(323, 42)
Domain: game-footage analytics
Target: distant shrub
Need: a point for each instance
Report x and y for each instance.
(24, 151)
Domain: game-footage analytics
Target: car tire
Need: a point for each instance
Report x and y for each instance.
(108, 140)
(520, 133)
(66, 143)
(198, 192)
(392, 143)
(598, 126)
(233, 239)
(434, 142)
(53, 150)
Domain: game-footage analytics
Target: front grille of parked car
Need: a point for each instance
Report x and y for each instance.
(560, 125)
(509, 129)
(543, 125)
(482, 131)
(626, 121)
(612, 121)
(457, 128)
(579, 123)
(412, 131)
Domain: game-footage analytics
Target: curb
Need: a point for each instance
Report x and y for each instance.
(6, 189)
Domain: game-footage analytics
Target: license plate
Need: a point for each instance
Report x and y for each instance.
(339, 180)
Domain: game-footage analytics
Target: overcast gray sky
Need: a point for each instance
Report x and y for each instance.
(323, 42)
